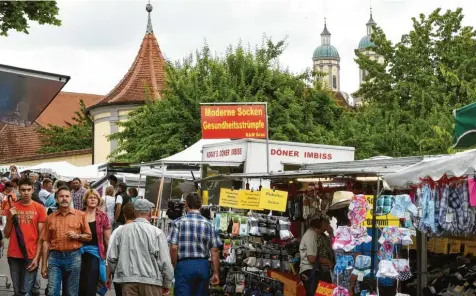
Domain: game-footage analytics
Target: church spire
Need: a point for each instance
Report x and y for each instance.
(371, 23)
(149, 30)
(325, 35)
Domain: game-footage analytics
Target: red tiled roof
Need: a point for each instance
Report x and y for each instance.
(21, 143)
(62, 108)
(147, 71)
(18, 141)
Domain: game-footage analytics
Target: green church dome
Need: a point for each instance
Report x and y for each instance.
(365, 42)
(325, 51)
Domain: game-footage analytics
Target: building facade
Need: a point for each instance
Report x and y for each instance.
(326, 60)
(144, 80)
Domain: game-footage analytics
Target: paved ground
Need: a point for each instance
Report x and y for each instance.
(4, 271)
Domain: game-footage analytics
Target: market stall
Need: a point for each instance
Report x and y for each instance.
(312, 192)
(445, 197)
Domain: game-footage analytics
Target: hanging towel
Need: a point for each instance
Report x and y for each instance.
(472, 192)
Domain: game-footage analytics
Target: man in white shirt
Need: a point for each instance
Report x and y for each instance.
(46, 190)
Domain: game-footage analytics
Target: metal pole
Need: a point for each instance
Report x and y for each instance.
(374, 230)
(422, 253)
(138, 184)
(267, 138)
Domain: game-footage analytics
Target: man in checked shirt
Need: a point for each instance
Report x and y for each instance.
(193, 240)
(63, 235)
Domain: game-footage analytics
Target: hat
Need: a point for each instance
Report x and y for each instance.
(143, 205)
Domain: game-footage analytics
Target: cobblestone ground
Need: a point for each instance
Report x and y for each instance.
(4, 271)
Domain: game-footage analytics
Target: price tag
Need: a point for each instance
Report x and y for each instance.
(360, 277)
(469, 247)
(455, 246)
(449, 217)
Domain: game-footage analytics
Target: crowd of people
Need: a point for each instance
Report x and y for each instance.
(84, 244)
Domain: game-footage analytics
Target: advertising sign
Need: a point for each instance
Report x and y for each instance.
(228, 198)
(248, 199)
(274, 200)
(382, 221)
(233, 121)
(325, 289)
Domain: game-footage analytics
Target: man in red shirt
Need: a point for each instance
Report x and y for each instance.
(23, 260)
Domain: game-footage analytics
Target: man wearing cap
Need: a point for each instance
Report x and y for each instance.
(150, 271)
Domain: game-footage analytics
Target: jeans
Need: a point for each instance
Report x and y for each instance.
(37, 286)
(192, 277)
(88, 279)
(64, 268)
(22, 279)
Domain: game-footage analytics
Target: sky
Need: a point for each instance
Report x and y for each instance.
(99, 40)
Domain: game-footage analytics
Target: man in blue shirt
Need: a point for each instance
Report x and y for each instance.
(192, 240)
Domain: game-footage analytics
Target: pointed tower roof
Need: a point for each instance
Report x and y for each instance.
(325, 32)
(371, 21)
(147, 71)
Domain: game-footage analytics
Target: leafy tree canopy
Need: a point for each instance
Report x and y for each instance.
(298, 110)
(15, 15)
(76, 135)
(409, 97)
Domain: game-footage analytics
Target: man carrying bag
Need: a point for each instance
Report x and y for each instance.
(26, 219)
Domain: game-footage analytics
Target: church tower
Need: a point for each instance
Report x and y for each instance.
(144, 80)
(366, 45)
(326, 60)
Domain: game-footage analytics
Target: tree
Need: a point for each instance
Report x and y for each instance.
(15, 15)
(409, 98)
(74, 136)
(298, 111)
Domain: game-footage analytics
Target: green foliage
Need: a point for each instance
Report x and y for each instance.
(409, 98)
(15, 15)
(298, 111)
(76, 135)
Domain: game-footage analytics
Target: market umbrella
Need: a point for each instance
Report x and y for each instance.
(465, 126)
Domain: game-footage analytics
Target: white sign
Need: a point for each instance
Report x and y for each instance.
(280, 153)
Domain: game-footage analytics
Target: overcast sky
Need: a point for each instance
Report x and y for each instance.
(99, 40)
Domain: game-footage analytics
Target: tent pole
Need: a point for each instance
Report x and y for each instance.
(374, 228)
(159, 196)
(138, 185)
(422, 261)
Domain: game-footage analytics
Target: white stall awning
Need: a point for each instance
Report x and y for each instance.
(65, 171)
(455, 165)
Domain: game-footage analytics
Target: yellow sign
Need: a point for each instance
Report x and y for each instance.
(431, 245)
(441, 245)
(205, 197)
(455, 246)
(469, 247)
(274, 200)
(248, 199)
(228, 198)
(382, 221)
